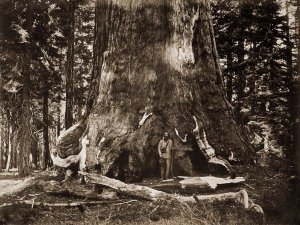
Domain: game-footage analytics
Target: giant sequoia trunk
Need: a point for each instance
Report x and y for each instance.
(155, 66)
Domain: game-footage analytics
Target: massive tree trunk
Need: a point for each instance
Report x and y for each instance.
(155, 67)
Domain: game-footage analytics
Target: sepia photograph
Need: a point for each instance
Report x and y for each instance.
(150, 112)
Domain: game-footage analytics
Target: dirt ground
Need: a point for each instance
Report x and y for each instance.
(270, 188)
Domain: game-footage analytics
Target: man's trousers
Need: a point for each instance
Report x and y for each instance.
(165, 165)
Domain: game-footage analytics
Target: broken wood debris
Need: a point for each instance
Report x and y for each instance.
(155, 195)
(198, 184)
(62, 204)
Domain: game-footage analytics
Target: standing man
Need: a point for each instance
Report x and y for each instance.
(165, 154)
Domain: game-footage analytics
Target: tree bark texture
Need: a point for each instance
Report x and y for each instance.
(24, 129)
(297, 24)
(159, 59)
(9, 143)
(46, 150)
(25, 126)
(70, 67)
(229, 83)
(58, 120)
(1, 142)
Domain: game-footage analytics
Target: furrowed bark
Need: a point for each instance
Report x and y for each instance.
(1, 141)
(9, 142)
(46, 149)
(155, 58)
(70, 66)
(25, 126)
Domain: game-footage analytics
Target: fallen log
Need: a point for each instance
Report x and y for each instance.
(155, 195)
(33, 203)
(129, 189)
(77, 190)
(8, 187)
(197, 184)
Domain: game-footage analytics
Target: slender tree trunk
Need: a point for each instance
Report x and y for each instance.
(70, 67)
(229, 84)
(252, 78)
(58, 120)
(14, 153)
(24, 139)
(34, 152)
(292, 98)
(241, 79)
(78, 77)
(9, 137)
(1, 143)
(297, 21)
(46, 150)
(25, 126)
(241, 83)
(297, 110)
(289, 55)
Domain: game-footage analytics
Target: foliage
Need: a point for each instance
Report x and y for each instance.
(47, 41)
(255, 50)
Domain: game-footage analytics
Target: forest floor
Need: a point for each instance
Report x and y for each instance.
(267, 187)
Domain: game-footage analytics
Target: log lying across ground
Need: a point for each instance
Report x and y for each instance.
(77, 190)
(33, 203)
(137, 191)
(155, 195)
(197, 184)
(8, 187)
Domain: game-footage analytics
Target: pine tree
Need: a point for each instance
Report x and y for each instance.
(257, 75)
(83, 50)
(45, 41)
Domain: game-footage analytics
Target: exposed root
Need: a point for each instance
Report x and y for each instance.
(255, 207)
(144, 118)
(184, 140)
(58, 161)
(243, 198)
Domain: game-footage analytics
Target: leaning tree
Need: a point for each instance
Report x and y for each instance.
(155, 67)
